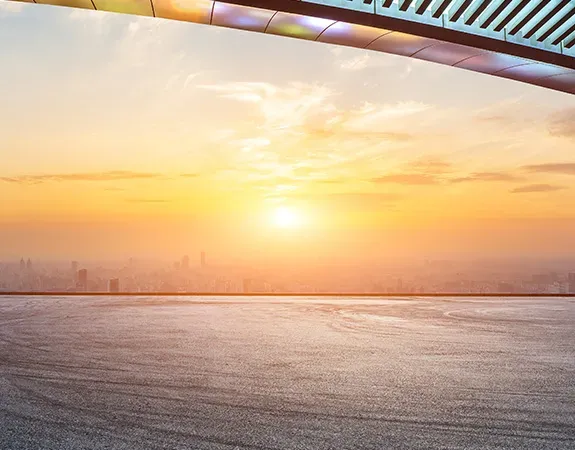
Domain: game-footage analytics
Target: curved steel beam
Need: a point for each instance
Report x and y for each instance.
(531, 41)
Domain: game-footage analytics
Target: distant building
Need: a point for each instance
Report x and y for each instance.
(22, 265)
(82, 283)
(74, 266)
(571, 279)
(186, 262)
(248, 286)
(114, 285)
(203, 259)
(505, 288)
(29, 264)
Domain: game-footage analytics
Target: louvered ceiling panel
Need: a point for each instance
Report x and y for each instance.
(550, 23)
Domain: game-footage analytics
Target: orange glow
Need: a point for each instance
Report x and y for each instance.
(159, 142)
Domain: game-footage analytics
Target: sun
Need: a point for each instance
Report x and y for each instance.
(286, 217)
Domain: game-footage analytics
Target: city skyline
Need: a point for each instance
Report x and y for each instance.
(150, 136)
(193, 276)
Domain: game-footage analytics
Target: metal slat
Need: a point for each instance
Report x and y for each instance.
(565, 35)
(473, 14)
(561, 24)
(496, 12)
(547, 18)
(404, 4)
(512, 15)
(522, 20)
(422, 5)
(440, 7)
(458, 9)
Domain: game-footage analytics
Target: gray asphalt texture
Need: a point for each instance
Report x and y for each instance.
(285, 373)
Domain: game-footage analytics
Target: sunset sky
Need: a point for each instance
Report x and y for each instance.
(136, 136)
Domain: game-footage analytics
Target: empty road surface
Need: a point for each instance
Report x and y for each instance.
(286, 373)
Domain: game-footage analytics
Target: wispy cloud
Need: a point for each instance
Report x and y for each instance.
(357, 63)
(420, 172)
(562, 124)
(560, 168)
(349, 201)
(96, 22)
(530, 188)
(147, 200)
(342, 133)
(407, 179)
(487, 177)
(504, 113)
(7, 8)
(431, 166)
(301, 122)
(242, 91)
(114, 189)
(113, 175)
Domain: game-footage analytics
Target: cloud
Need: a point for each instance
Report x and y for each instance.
(348, 201)
(247, 145)
(10, 7)
(560, 168)
(562, 124)
(332, 180)
(304, 123)
(310, 109)
(341, 133)
(374, 114)
(431, 165)
(370, 197)
(242, 91)
(486, 177)
(135, 42)
(190, 78)
(506, 112)
(407, 179)
(147, 200)
(537, 188)
(94, 22)
(350, 60)
(113, 175)
(355, 64)
(337, 51)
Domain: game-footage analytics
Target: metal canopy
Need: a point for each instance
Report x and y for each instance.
(532, 41)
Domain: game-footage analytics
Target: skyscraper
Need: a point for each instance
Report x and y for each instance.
(186, 262)
(114, 285)
(203, 259)
(29, 264)
(82, 284)
(247, 285)
(22, 265)
(571, 279)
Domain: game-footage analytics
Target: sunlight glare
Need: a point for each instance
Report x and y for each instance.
(285, 217)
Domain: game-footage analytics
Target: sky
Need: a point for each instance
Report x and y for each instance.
(132, 136)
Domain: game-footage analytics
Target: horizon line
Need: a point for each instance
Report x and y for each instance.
(277, 294)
